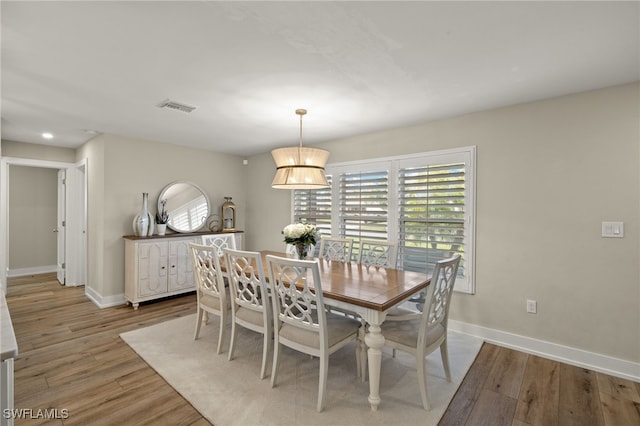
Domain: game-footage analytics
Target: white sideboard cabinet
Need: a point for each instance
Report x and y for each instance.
(160, 266)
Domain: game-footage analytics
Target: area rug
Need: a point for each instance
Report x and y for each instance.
(231, 392)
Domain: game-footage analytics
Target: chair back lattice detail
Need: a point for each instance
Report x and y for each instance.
(377, 253)
(220, 241)
(336, 249)
(206, 265)
(248, 286)
(297, 293)
(290, 249)
(439, 294)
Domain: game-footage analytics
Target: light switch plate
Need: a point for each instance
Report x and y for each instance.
(613, 229)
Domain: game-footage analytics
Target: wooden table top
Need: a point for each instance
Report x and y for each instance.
(373, 288)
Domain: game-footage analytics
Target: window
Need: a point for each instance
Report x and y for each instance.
(313, 206)
(423, 202)
(363, 206)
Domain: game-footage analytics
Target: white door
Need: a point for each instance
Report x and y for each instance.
(60, 226)
(75, 270)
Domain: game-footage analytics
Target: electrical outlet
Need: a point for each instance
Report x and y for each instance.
(532, 306)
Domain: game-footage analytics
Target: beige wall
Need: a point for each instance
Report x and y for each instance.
(93, 152)
(33, 201)
(120, 170)
(37, 152)
(549, 173)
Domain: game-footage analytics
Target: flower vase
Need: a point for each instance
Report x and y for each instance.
(303, 250)
(162, 228)
(143, 222)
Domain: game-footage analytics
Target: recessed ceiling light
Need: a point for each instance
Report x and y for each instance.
(47, 135)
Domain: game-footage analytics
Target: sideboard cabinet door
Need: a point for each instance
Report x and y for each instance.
(152, 268)
(180, 266)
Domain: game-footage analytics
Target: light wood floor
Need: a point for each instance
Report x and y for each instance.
(71, 357)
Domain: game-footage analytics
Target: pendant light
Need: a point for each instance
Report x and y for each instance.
(298, 167)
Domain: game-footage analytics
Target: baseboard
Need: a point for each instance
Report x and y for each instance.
(23, 272)
(573, 356)
(104, 302)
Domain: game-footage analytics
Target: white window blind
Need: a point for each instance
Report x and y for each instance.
(363, 206)
(432, 215)
(313, 206)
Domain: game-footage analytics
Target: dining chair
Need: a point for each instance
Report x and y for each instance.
(220, 241)
(421, 333)
(210, 289)
(377, 253)
(250, 302)
(290, 250)
(336, 249)
(300, 319)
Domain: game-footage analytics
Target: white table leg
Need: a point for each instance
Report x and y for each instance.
(375, 342)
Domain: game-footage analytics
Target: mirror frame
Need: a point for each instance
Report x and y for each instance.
(184, 182)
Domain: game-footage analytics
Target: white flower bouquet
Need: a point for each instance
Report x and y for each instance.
(301, 234)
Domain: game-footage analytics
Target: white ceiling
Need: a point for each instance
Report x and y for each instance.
(74, 68)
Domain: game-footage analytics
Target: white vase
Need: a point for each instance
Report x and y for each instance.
(162, 228)
(143, 222)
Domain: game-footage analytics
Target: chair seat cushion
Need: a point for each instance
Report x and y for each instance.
(399, 311)
(250, 316)
(406, 332)
(338, 328)
(210, 301)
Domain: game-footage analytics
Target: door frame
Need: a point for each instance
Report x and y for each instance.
(60, 226)
(77, 201)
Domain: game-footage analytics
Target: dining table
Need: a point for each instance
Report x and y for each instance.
(371, 293)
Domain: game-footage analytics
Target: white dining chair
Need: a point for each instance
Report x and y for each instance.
(250, 301)
(290, 250)
(300, 319)
(220, 241)
(420, 333)
(335, 249)
(379, 254)
(210, 289)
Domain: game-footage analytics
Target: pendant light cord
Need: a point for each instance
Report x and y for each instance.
(300, 112)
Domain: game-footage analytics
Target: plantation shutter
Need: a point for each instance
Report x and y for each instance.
(363, 206)
(313, 206)
(432, 215)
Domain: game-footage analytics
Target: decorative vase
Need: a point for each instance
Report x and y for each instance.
(143, 222)
(162, 228)
(303, 250)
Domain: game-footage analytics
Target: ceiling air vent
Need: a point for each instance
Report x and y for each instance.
(168, 103)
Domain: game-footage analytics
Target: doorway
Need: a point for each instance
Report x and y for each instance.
(72, 224)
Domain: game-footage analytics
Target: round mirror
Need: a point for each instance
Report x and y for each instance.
(187, 205)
